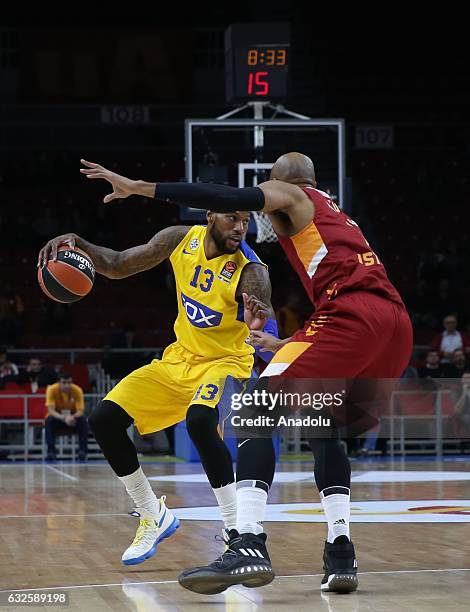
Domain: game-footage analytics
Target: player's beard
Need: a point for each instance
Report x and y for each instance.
(220, 242)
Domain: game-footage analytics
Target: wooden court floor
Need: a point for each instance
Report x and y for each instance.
(65, 527)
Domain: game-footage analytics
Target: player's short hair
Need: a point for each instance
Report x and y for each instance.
(65, 376)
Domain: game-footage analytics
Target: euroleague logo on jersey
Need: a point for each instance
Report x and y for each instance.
(229, 269)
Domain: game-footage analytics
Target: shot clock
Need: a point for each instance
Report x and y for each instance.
(257, 62)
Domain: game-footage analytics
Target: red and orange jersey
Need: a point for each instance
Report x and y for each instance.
(332, 256)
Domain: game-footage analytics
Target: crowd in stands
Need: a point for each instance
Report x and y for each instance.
(446, 357)
(34, 375)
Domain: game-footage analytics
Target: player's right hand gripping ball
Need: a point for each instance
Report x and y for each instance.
(70, 277)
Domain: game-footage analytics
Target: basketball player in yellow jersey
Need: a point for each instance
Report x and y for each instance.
(217, 278)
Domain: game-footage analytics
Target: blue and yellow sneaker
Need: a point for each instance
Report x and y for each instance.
(151, 531)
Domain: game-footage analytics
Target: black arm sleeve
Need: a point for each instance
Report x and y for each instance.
(207, 196)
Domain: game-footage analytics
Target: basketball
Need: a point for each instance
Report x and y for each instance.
(70, 277)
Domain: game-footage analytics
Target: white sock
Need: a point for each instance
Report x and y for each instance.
(337, 506)
(227, 499)
(141, 492)
(251, 506)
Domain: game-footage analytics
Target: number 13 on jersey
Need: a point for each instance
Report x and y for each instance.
(206, 392)
(207, 281)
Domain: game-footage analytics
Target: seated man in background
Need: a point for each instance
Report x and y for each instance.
(8, 369)
(65, 407)
(459, 422)
(433, 368)
(450, 339)
(37, 374)
(458, 365)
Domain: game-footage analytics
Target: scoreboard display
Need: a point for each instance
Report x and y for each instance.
(257, 59)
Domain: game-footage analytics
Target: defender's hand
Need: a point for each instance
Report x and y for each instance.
(266, 342)
(52, 246)
(122, 186)
(255, 312)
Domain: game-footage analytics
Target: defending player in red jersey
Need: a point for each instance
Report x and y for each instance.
(360, 330)
(359, 320)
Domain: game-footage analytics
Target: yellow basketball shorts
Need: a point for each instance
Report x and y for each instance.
(158, 394)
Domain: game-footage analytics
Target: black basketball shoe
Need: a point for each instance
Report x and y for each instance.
(340, 566)
(246, 561)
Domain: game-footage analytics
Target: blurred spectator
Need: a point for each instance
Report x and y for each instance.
(450, 339)
(460, 422)
(288, 316)
(458, 367)
(65, 407)
(37, 374)
(433, 368)
(369, 442)
(410, 372)
(8, 370)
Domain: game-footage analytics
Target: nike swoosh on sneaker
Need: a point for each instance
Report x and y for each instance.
(162, 519)
(187, 252)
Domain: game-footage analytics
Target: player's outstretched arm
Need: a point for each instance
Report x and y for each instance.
(123, 187)
(120, 264)
(268, 197)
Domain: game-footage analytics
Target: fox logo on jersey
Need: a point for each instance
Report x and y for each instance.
(200, 315)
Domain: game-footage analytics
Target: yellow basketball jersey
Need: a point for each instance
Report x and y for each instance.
(210, 320)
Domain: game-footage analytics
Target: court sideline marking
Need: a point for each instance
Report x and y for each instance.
(120, 584)
(7, 516)
(50, 467)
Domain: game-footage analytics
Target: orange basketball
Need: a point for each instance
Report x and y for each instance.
(70, 277)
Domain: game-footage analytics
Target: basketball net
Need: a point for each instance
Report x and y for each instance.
(264, 228)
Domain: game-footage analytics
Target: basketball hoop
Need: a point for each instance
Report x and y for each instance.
(264, 228)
